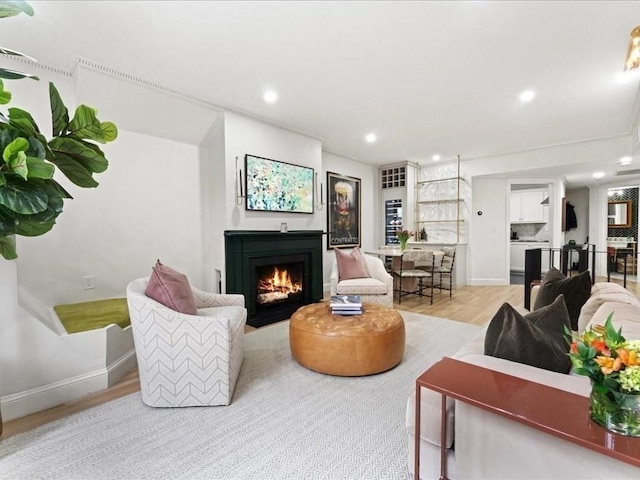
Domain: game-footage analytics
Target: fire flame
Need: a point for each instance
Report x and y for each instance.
(280, 281)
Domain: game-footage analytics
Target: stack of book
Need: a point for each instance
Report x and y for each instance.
(346, 305)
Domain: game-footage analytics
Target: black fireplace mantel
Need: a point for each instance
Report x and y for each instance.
(241, 246)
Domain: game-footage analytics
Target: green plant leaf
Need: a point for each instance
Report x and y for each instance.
(59, 191)
(79, 151)
(5, 95)
(23, 197)
(15, 53)
(18, 145)
(85, 125)
(8, 222)
(24, 121)
(611, 333)
(8, 247)
(32, 227)
(59, 112)
(73, 170)
(9, 74)
(10, 8)
(38, 168)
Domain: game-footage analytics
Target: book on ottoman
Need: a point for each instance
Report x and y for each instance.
(346, 304)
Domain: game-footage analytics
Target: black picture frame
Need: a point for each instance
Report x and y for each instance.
(343, 211)
(275, 186)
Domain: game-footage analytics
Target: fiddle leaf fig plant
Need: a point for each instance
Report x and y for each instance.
(30, 198)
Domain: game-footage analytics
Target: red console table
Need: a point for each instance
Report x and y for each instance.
(556, 412)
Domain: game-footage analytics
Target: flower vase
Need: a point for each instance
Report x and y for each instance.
(403, 244)
(615, 411)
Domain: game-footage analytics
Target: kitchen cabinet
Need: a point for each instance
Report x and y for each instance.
(517, 255)
(526, 207)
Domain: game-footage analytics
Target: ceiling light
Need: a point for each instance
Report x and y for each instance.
(625, 161)
(598, 175)
(435, 158)
(270, 97)
(527, 95)
(633, 52)
(371, 137)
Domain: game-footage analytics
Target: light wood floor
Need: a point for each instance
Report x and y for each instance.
(475, 305)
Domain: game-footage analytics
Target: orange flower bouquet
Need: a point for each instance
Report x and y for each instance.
(613, 365)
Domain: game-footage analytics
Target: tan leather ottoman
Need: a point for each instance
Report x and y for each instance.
(347, 345)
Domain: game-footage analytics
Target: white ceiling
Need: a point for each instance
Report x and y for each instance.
(427, 77)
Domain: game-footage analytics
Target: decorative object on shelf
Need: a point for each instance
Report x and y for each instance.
(343, 216)
(295, 185)
(613, 365)
(403, 237)
(423, 235)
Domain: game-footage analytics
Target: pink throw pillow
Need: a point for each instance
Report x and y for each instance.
(351, 265)
(172, 289)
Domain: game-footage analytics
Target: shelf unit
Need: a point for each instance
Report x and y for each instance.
(442, 201)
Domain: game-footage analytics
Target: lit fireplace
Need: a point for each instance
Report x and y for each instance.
(276, 272)
(276, 284)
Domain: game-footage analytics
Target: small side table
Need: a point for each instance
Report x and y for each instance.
(556, 412)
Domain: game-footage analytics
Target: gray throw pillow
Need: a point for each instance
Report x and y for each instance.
(576, 291)
(536, 339)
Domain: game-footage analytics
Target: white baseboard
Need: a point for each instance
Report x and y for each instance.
(57, 393)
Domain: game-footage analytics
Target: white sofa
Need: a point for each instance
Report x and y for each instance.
(377, 288)
(483, 445)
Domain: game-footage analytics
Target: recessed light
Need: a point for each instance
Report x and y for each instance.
(270, 97)
(527, 95)
(625, 161)
(435, 158)
(598, 175)
(371, 137)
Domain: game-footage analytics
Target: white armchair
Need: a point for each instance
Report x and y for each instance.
(187, 360)
(378, 288)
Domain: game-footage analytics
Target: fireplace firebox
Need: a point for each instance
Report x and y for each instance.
(276, 272)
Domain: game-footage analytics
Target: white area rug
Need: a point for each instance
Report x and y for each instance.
(285, 422)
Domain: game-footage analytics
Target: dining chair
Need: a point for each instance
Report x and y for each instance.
(445, 270)
(409, 279)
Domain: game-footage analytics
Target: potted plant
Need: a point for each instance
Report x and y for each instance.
(30, 198)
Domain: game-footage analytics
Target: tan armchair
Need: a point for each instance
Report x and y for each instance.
(378, 288)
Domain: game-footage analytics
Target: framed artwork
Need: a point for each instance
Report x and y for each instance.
(274, 186)
(343, 211)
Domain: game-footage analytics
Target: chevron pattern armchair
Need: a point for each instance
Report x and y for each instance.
(187, 360)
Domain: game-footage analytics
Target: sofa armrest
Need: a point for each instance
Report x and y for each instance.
(334, 279)
(208, 300)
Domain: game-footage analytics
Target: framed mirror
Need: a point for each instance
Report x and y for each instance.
(619, 214)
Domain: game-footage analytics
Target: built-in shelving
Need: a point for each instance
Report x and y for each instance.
(441, 202)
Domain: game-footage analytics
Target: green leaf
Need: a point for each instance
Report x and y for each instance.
(81, 152)
(10, 8)
(32, 227)
(73, 170)
(3, 179)
(18, 145)
(5, 95)
(85, 125)
(23, 197)
(59, 112)
(15, 53)
(611, 333)
(8, 222)
(9, 74)
(8, 247)
(38, 168)
(23, 120)
(58, 190)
